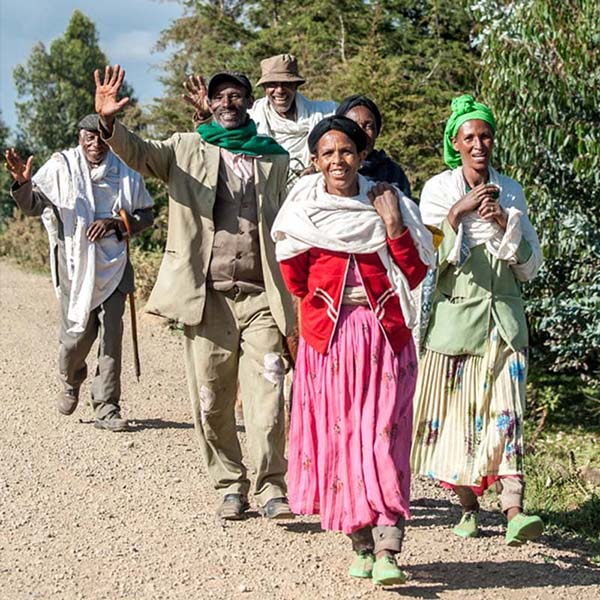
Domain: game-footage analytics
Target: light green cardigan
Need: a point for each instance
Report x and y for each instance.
(468, 298)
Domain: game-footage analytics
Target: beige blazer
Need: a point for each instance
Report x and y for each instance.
(190, 167)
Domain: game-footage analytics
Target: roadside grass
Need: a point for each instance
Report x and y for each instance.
(24, 240)
(562, 465)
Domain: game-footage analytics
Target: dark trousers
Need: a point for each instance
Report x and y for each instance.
(106, 324)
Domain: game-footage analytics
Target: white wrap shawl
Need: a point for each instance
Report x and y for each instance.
(312, 218)
(66, 180)
(444, 190)
(292, 135)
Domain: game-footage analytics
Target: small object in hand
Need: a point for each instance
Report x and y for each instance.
(495, 192)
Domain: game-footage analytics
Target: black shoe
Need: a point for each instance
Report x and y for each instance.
(67, 400)
(112, 422)
(277, 508)
(233, 507)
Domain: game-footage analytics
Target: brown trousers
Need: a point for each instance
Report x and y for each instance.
(379, 537)
(238, 339)
(510, 488)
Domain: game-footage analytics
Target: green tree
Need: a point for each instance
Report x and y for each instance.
(6, 204)
(541, 77)
(206, 38)
(414, 59)
(410, 56)
(56, 87)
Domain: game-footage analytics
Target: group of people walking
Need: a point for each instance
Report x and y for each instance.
(283, 216)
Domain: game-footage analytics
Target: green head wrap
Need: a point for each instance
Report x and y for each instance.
(464, 108)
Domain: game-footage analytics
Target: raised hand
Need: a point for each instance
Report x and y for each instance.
(107, 104)
(19, 170)
(197, 96)
(385, 201)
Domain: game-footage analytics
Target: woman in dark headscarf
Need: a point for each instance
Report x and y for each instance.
(351, 250)
(470, 399)
(377, 165)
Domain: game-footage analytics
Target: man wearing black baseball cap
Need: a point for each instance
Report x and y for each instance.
(284, 113)
(219, 277)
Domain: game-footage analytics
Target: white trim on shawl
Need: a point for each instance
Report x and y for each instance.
(444, 190)
(292, 135)
(66, 180)
(312, 218)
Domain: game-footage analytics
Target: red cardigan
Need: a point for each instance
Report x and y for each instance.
(318, 277)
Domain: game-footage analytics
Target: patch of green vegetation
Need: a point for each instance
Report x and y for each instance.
(563, 464)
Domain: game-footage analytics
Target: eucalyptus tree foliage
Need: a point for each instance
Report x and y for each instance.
(414, 61)
(542, 77)
(207, 37)
(56, 87)
(6, 205)
(410, 56)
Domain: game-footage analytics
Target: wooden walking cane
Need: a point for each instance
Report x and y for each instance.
(136, 354)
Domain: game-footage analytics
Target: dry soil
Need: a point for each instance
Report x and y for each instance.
(92, 514)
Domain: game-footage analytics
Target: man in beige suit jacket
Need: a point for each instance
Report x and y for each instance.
(219, 277)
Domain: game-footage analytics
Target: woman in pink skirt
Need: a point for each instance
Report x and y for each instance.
(352, 250)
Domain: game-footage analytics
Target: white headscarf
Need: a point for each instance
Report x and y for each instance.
(312, 218)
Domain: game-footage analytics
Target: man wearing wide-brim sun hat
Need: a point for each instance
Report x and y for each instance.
(284, 113)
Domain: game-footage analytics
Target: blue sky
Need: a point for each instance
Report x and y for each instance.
(128, 30)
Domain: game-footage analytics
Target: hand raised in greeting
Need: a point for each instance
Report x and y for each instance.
(107, 103)
(19, 170)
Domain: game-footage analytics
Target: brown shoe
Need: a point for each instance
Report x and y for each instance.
(233, 507)
(67, 400)
(112, 422)
(276, 508)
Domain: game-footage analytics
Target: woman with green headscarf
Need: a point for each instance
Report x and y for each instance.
(470, 397)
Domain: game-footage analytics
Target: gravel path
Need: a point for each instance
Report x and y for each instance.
(92, 514)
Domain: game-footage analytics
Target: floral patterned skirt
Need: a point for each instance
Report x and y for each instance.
(351, 427)
(469, 415)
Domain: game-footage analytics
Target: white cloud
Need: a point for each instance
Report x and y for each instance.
(117, 21)
(131, 45)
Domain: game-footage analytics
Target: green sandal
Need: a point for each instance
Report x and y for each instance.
(467, 528)
(362, 564)
(387, 572)
(523, 528)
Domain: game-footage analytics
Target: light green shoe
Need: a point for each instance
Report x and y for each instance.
(387, 572)
(467, 528)
(362, 565)
(523, 528)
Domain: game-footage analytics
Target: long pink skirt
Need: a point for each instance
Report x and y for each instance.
(351, 427)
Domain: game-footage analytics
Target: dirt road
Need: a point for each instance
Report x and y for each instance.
(96, 515)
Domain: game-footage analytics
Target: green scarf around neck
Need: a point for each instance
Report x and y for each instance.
(241, 140)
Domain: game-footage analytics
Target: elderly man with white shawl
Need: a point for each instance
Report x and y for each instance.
(79, 193)
(470, 398)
